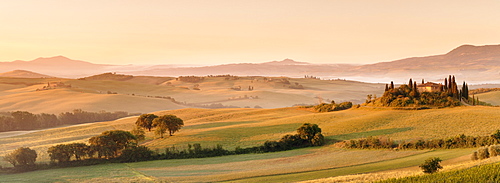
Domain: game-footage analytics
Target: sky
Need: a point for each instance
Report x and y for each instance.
(242, 31)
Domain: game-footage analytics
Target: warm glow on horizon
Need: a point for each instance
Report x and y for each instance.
(226, 31)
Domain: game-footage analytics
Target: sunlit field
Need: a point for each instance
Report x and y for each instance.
(252, 127)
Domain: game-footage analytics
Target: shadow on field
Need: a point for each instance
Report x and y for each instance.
(348, 136)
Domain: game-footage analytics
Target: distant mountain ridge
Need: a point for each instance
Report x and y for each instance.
(476, 64)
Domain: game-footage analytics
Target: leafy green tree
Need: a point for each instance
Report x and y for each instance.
(318, 140)
(139, 133)
(111, 143)
(22, 157)
(136, 153)
(79, 150)
(146, 121)
(168, 122)
(60, 153)
(307, 131)
(103, 146)
(431, 165)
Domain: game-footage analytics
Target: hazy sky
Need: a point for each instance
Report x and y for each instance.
(229, 31)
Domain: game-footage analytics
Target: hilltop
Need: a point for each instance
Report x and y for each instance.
(23, 74)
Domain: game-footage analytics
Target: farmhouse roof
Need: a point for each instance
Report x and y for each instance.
(428, 84)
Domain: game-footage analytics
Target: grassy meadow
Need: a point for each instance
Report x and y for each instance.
(251, 127)
(492, 98)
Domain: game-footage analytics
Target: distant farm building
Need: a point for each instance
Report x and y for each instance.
(428, 87)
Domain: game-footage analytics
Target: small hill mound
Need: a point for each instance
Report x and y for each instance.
(108, 77)
(127, 78)
(24, 74)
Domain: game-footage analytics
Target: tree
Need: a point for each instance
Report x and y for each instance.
(496, 135)
(111, 143)
(61, 153)
(136, 153)
(25, 120)
(22, 157)
(168, 122)
(146, 121)
(139, 133)
(307, 131)
(79, 150)
(431, 165)
(318, 140)
(103, 146)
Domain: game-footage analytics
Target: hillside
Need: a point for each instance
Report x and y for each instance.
(23, 74)
(58, 66)
(250, 127)
(492, 98)
(475, 64)
(112, 92)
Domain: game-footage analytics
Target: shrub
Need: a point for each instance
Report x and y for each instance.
(482, 153)
(474, 157)
(431, 165)
(494, 150)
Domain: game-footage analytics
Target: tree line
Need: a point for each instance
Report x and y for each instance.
(324, 107)
(122, 146)
(459, 141)
(23, 120)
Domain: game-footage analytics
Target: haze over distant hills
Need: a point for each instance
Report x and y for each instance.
(23, 74)
(475, 64)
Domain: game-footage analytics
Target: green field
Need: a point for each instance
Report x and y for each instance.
(492, 98)
(252, 127)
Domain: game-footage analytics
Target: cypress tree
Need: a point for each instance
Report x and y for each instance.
(422, 81)
(386, 87)
(392, 85)
(467, 92)
(460, 95)
(410, 83)
(464, 91)
(445, 84)
(473, 100)
(415, 86)
(449, 81)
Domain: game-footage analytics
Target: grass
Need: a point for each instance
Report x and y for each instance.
(251, 127)
(492, 98)
(479, 173)
(369, 133)
(90, 95)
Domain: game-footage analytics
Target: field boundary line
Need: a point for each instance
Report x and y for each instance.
(140, 174)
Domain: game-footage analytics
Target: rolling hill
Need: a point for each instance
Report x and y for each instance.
(113, 92)
(492, 97)
(475, 64)
(23, 74)
(250, 127)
